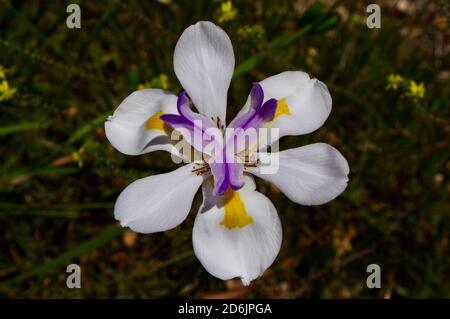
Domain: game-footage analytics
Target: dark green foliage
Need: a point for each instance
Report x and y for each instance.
(55, 211)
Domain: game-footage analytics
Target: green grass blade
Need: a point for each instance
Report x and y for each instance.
(275, 45)
(85, 130)
(59, 263)
(19, 127)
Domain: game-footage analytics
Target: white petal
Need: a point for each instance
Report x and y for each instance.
(128, 129)
(159, 202)
(227, 250)
(309, 175)
(307, 101)
(204, 64)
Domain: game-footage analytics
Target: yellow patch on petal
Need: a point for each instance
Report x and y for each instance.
(235, 212)
(155, 123)
(282, 109)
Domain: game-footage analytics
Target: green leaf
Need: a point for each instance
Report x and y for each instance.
(59, 263)
(247, 65)
(329, 22)
(133, 76)
(43, 171)
(68, 210)
(274, 46)
(311, 15)
(85, 130)
(19, 127)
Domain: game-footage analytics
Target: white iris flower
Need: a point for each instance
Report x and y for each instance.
(237, 232)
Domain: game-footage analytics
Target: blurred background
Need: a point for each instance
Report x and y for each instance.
(60, 177)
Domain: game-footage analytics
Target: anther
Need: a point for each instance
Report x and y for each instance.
(201, 169)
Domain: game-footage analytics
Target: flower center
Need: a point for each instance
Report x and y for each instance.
(230, 153)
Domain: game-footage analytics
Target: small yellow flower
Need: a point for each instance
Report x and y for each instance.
(416, 90)
(394, 80)
(162, 82)
(227, 12)
(357, 19)
(77, 157)
(2, 72)
(6, 92)
(253, 32)
(145, 85)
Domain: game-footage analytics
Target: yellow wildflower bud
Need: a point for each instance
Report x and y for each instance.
(77, 157)
(6, 92)
(145, 85)
(164, 81)
(252, 32)
(227, 12)
(416, 91)
(394, 80)
(161, 82)
(2, 72)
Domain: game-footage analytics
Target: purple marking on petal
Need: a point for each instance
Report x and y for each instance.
(256, 96)
(188, 115)
(186, 112)
(195, 124)
(256, 99)
(227, 174)
(176, 120)
(258, 113)
(236, 175)
(227, 171)
(182, 104)
(267, 110)
(254, 118)
(220, 174)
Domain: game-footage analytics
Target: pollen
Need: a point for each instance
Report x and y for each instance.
(155, 123)
(282, 109)
(236, 215)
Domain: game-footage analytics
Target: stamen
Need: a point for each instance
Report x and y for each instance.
(201, 169)
(220, 125)
(248, 160)
(251, 163)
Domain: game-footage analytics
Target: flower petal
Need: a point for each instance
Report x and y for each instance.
(198, 130)
(227, 173)
(136, 128)
(309, 175)
(236, 235)
(303, 103)
(159, 202)
(245, 125)
(258, 113)
(204, 64)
